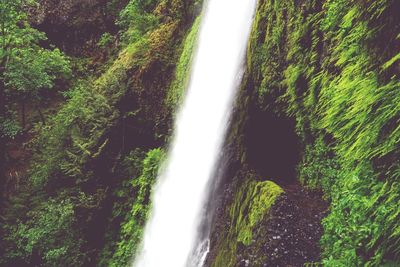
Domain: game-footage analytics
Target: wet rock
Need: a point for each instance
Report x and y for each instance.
(290, 234)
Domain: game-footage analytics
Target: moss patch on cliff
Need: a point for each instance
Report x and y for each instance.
(251, 204)
(183, 67)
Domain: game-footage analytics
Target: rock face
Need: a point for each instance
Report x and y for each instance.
(260, 224)
(330, 69)
(289, 234)
(249, 207)
(76, 25)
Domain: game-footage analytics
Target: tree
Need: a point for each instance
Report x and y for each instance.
(136, 19)
(31, 73)
(9, 16)
(26, 68)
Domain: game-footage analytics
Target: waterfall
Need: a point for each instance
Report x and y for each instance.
(179, 195)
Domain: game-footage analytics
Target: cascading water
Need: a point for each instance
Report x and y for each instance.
(179, 195)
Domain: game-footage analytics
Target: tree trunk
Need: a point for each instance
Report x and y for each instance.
(3, 177)
(123, 135)
(23, 116)
(42, 118)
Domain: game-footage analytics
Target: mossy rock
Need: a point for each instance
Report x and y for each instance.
(251, 204)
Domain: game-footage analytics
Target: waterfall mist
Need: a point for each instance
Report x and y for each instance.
(180, 193)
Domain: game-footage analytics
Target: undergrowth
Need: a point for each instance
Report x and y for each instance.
(90, 178)
(333, 67)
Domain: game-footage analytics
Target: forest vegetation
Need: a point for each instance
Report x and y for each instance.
(88, 95)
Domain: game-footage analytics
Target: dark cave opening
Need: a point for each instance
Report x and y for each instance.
(273, 147)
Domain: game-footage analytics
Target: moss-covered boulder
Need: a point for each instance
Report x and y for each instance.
(251, 204)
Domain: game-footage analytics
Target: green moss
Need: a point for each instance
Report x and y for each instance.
(333, 66)
(267, 47)
(183, 67)
(251, 204)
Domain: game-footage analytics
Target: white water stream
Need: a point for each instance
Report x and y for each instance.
(179, 195)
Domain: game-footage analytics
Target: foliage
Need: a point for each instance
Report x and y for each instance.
(130, 166)
(64, 140)
(31, 72)
(82, 155)
(105, 40)
(133, 225)
(319, 167)
(136, 19)
(10, 128)
(77, 134)
(26, 69)
(38, 238)
(333, 67)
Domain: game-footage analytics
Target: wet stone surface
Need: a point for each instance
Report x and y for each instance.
(290, 235)
(287, 236)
